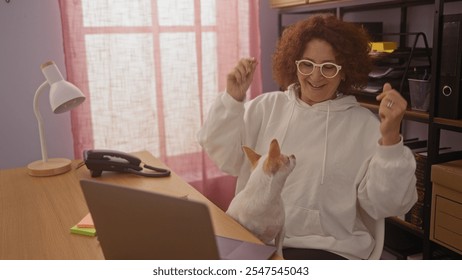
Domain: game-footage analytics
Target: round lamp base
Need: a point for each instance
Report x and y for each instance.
(53, 166)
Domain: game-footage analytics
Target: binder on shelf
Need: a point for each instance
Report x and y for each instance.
(449, 96)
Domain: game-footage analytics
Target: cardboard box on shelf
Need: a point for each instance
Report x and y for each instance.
(446, 215)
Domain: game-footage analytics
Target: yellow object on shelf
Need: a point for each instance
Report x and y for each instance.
(384, 46)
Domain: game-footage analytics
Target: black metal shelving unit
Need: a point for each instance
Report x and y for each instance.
(435, 126)
(429, 249)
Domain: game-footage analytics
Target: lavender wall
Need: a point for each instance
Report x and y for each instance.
(30, 35)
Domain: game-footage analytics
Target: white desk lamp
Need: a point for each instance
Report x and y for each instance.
(64, 96)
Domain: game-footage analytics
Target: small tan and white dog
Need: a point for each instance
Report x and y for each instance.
(259, 207)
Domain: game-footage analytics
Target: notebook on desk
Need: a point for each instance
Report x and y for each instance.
(136, 224)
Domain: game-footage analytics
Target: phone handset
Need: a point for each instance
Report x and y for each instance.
(100, 160)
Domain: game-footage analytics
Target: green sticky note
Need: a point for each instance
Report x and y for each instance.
(83, 231)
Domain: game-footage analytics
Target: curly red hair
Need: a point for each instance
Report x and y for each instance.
(350, 42)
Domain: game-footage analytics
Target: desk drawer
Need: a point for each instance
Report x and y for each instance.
(447, 223)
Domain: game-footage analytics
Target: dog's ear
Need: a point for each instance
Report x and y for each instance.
(272, 163)
(274, 150)
(251, 155)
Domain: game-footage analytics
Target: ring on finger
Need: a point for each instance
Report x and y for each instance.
(390, 104)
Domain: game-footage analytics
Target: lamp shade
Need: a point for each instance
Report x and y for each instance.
(64, 96)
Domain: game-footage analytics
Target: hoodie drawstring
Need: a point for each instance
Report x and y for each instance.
(287, 125)
(323, 171)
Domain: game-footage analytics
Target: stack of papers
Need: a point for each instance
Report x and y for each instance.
(85, 226)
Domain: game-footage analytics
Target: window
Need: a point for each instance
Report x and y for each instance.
(150, 70)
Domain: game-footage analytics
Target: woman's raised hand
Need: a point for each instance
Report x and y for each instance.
(239, 79)
(391, 112)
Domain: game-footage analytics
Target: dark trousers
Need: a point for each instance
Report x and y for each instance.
(309, 254)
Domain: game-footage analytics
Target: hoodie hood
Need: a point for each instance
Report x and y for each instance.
(340, 103)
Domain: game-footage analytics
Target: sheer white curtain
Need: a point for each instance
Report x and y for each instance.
(150, 70)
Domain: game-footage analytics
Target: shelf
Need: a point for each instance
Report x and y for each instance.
(353, 5)
(448, 156)
(402, 254)
(416, 116)
(449, 124)
(406, 226)
(412, 115)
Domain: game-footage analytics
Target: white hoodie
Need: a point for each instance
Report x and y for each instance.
(340, 165)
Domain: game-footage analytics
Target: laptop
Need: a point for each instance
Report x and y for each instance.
(136, 224)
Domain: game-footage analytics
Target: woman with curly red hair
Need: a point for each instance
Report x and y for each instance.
(348, 161)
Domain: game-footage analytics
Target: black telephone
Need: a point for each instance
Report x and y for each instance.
(98, 161)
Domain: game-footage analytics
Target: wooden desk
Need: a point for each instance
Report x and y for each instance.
(36, 213)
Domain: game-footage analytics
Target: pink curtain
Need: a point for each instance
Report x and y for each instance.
(150, 70)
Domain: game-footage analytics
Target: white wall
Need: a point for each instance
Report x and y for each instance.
(30, 34)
